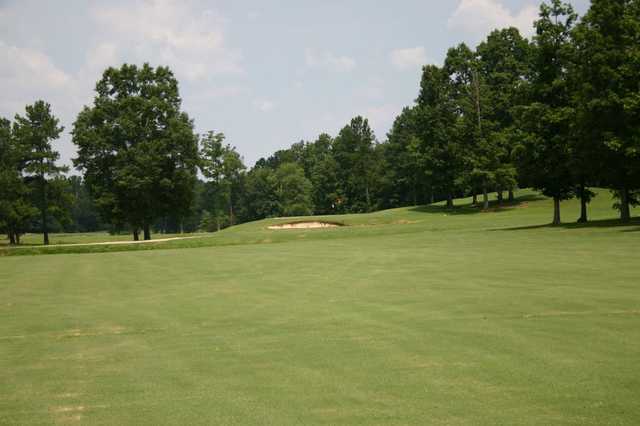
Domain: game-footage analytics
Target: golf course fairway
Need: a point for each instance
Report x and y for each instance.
(409, 316)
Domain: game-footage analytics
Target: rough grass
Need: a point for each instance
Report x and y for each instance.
(409, 316)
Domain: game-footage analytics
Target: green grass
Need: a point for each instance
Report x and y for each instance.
(409, 316)
(35, 240)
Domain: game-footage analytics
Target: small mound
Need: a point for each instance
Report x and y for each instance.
(306, 225)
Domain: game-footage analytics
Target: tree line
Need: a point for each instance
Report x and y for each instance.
(559, 113)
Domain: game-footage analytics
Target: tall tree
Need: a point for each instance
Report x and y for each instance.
(607, 72)
(404, 161)
(473, 131)
(34, 133)
(293, 190)
(322, 172)
(353, 153)
(136, 148)
(85, 215)
(503, 60)
(259, 196)
(545, 151)
(440, 150)
(16, 209)
(223, 165)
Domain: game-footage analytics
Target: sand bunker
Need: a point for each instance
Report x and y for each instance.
(306, 225)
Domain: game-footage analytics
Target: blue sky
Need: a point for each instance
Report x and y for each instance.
(266, 73)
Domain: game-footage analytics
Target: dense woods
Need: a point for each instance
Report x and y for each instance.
(559, 113)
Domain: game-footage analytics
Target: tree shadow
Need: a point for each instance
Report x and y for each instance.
(467, 209)
(602, 223)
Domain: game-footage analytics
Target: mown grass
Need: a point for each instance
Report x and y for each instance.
(529, 210)
(35, 240)
(410, 316)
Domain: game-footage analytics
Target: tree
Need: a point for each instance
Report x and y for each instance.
(84, 214)
(404, 163)
(439, 150)
(259, 195)
(293, 190)
(503, 60)
(137, 150)
(16, 211)
(323, 174)
(607, 54)
(473, 131)
(34, 133)
(223, 165)
(545, 150)
(353, 153)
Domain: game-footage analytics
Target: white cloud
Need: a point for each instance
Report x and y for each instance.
(409, 58)
(328, 61)
(27, 75)
(479, 17)
(253, 15)
(263, 105)
(381, 117)
(190, 41)
(102, 56)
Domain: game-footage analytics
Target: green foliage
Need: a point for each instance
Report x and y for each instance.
(293, 190)
(33, 134)
(607, 94)
(137, 150)
(224, 167)
(85, 216)
(544, 153)
(353, 153)
(408, 177)
(439, 149)
(16, 210)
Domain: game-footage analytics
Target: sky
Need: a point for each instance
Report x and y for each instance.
(266, 73)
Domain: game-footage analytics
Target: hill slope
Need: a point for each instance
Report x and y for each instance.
(529, 210)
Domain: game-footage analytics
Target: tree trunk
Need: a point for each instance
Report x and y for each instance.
(12, 238)
(485, 198)
(433, 198)
(625, 212)
(475, 198)
(476, 83)
(45, 229)
(556, 211)
(147, 232)
(449, 201)
(230, 210)
(415, 195)
(512, 196)
(368, 199)
(583, 205)
(500, 198)
(136, 236)
(17, 238)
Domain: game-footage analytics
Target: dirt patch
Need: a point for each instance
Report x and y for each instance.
(68, 409)
(306, 225)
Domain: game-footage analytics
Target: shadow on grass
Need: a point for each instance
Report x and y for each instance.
(467, 209)
(603, 223)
